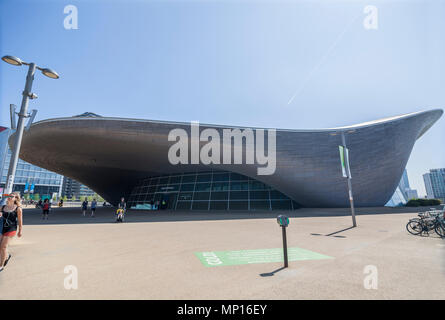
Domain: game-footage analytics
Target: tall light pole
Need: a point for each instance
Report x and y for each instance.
(27, 94)
(346, 170)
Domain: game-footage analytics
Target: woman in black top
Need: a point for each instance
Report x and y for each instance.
(12, 218)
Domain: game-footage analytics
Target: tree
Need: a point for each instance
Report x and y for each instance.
(36, 196)
(98, 198)
(423, 202)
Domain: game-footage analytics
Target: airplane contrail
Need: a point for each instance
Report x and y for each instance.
(323, 58)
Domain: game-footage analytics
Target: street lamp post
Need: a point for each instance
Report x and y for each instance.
(348, 170)
(27, 94)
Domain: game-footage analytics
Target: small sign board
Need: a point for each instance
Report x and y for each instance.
(344, 161)
(283, 220)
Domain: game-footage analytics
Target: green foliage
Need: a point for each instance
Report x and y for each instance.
(423, 202)
(36, 196)
(98, 198)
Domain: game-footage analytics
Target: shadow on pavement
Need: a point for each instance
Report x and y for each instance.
(270, 274)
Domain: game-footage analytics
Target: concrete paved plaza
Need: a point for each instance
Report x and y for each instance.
(152, 256)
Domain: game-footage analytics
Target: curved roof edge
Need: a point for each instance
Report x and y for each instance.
(438, 112)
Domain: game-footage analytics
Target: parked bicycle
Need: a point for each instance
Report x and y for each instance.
(427, 221)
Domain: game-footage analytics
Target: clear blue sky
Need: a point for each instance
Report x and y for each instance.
(233, 62)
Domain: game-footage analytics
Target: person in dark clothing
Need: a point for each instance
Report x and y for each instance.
(84, 206)
(11, 214)
(93, 207)
(45, 209)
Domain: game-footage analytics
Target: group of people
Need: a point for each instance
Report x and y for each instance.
(11, 219)
(93, 207)
(121, 208)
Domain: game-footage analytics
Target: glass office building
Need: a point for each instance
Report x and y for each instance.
(212, 190)
(435, 183)
(397, 199)
(71, 187)
(403, 192)
(27, 176)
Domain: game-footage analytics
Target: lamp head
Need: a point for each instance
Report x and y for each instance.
(12, 60)
(50, 73)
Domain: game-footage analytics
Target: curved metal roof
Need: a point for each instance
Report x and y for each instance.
(110, 155)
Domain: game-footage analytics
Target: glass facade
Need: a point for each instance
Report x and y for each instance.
(214, 190)
(45, 182)
(71, 187)
(397, 199)
(435, 183)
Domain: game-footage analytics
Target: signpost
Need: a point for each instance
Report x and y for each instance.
(283, 221)
(346, 172)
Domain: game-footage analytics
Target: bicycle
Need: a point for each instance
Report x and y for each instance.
(440, 226)
(427, 221)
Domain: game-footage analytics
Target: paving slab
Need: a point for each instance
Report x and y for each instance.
(153, 256)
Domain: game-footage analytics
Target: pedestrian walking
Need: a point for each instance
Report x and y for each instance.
(11, 215)
(93, 207)
(45, 209)
(84, 206)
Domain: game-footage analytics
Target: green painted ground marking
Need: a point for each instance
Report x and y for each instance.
(231, 258)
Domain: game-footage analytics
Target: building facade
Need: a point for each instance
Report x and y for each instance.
(28, 178)
(428, 186)
(212, 190)
(71, 187)
(405, 188)
(118, 157)
(411, 194)
(435, 183)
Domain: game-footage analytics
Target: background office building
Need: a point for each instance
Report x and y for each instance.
(405, 187)
(28, 177)
(435, 184)
(411, 194)
(403, 192)
(71, 187)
